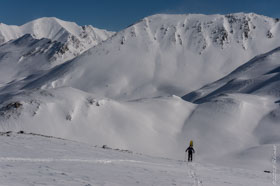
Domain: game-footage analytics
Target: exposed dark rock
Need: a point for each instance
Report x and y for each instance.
(269, 34)
(8, 133)
(14, 105)
(68, 117)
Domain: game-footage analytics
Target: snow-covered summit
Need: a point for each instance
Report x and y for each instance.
(54, 29)
(202, 31)
(76, 38)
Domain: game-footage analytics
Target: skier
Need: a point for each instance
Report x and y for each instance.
(190, 151)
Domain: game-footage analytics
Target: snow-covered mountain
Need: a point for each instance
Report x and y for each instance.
(76, 39)
(167, 54)
(119, 93)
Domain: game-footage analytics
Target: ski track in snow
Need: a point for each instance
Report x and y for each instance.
(190, 167)
(193, 174)
(100, 161)
(104, 161)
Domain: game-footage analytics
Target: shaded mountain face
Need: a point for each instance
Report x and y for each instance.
(76, 39)
(24, 60)
(166, 54)
(27, 56)
(259, 76)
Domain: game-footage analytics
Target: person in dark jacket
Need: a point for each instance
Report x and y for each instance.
(190, 151)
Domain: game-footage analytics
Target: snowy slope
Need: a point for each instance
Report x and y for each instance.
(76, 38)
(146, 126)
(258, 76)
(23, 161)
(167, 54)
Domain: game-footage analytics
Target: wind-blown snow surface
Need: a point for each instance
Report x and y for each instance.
(23, 161)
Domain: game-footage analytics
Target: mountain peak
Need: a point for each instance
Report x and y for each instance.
(45, 19)
(51, 28)
(76, 39)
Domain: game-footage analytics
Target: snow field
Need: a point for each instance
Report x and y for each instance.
(63, 162)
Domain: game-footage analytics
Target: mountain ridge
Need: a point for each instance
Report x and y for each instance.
(179, 53)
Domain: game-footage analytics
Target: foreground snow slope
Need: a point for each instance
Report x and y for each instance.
(166, 54)
(23, 161)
